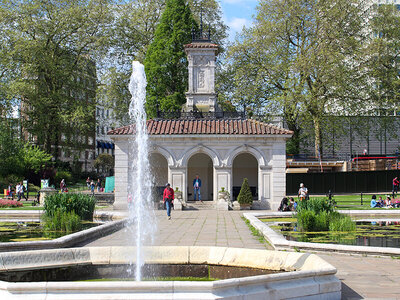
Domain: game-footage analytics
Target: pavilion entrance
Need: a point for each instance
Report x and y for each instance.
(200, 164)
(245, 165)
(159, 173)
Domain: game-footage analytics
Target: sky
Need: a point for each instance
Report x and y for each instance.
(237, 13)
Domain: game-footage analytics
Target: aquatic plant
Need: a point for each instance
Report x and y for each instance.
(81, 204)
(62, 221)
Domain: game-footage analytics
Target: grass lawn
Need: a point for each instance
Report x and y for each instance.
(354, 201)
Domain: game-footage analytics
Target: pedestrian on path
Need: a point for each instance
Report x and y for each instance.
(88, 183)
(395, 186)
(92, 186)
(98, 184)
(19, 189)
(197, 187)
(168, 198)
(63, 186)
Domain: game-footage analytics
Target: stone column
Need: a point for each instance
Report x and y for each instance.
(177, 178)
(278, 180)
(121, 174)
(222, 179)
(264, 188)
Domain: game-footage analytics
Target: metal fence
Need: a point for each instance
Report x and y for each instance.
(342, 182)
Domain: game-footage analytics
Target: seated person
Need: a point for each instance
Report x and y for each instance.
(284, 206)
(373, 202)
(388, 202)
(292, 204)
(380, 202)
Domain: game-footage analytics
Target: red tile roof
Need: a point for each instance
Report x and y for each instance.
(204, 126)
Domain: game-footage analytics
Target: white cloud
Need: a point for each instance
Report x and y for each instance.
(236, 24)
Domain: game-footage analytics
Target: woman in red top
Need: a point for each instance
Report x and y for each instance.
(168, 198)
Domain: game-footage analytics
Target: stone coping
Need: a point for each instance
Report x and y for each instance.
(307, 275)
(107, 215)
(67, 240)
(279, 242)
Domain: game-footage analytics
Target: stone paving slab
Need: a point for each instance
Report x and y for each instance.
(362, 277)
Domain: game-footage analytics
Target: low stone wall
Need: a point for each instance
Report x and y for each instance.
(279, 242)
(307, 276)
(67, 240)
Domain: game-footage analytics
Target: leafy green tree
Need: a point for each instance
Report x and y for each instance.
(383, 59)
(300, 58)
(53, 48)
(245, 195)
(166, 62)
(104, 162)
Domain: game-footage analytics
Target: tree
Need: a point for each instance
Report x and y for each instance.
(53, 48)
(300, 55)
(383, 59)
(245, 195)
(166, 62)
(104, 162)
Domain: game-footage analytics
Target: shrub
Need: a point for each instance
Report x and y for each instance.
(62, 221)
(342, 223)
(316, 205)
(33, 188)
(245, 195)
(60, 175)
(81, 204)
(10, 203)
(306, 220)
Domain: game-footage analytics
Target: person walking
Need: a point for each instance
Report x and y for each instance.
(10, 191)
(63, 186)
(19, 189)
(92, 186)
(303, 192)
(395, 186)
(98, 184)
(88, 183)
(168, 198)
(197, 187)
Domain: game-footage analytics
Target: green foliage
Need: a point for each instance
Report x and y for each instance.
(297, 58)
(315, 204)
(166, 61)
(33, 158)
(81, 204)
(104, 162)
(60, 175)
(318, 215)
(306, 220)
(62, 221)
(342, 223)
(50, 43)
(245, 195)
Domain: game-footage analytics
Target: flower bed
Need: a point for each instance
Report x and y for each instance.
(10, 203)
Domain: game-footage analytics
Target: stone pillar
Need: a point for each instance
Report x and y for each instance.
(222, 179)
(121, 172)
(264, 188)
(177, 179)
(278, 178)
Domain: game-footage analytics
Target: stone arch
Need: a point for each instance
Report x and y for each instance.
(201, 149)
(200, 163)
(164, 152)
(262, 162)
(245, 165)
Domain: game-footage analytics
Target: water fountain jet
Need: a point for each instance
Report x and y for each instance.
(139, 190)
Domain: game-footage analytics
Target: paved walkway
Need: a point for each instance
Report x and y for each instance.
(362, 277)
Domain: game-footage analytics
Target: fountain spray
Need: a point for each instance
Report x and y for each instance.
(141, 216)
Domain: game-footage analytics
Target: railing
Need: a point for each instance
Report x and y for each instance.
(200, 115)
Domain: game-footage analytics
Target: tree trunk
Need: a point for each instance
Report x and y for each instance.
(318, 137)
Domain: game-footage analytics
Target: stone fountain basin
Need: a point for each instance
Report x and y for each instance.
(304, 276)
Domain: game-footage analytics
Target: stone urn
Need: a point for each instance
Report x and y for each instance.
(44, 192)
(179, 203)
(224, 200)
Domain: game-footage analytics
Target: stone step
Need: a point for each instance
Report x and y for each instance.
(196, 205)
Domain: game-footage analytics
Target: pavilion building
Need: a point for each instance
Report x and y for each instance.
(222, 148)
